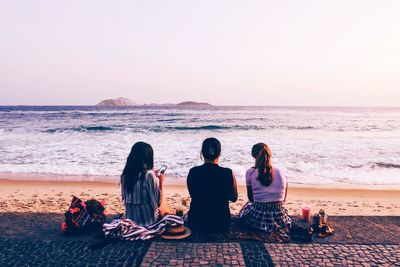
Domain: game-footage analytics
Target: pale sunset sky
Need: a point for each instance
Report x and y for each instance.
(318, 53)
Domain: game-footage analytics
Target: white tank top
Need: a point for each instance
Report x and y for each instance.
(274, 192)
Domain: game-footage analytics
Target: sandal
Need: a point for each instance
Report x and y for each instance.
(325, 231)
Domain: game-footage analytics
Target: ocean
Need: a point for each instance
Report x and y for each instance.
(314, 145)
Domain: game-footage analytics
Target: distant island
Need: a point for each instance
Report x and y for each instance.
(121, 101)
(193, 104)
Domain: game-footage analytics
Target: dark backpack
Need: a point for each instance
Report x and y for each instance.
(300, 233)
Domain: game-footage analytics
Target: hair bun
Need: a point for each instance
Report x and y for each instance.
(211, 148)
(211, 151)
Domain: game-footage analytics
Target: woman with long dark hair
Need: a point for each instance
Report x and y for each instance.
(266, 190)
(211, 187)
(140, 186)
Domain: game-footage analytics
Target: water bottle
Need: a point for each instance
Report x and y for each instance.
(323, 217)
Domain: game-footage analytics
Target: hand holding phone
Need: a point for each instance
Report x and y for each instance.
(162, 170)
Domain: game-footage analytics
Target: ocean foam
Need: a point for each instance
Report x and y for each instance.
(315, 145)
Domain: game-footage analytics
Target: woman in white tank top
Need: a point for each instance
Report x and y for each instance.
(266, 190)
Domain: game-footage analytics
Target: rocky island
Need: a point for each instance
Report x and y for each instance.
(193, 104)
(121, 101)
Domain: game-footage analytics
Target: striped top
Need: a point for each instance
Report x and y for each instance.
(141, 204)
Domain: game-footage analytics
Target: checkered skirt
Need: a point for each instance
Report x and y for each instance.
(265, 217)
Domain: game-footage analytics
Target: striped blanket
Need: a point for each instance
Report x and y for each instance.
(128, 230)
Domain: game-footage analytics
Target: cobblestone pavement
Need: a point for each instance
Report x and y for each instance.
(194, 254)
(255, 254)
(18, 252)
(334, 255)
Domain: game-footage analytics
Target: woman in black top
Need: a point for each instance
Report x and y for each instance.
(211, 187)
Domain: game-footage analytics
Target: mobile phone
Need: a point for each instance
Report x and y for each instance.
(162, 170)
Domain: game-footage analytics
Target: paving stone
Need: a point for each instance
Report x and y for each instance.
(195, 254)
(255, 254)
(19, 252)
(334, 255)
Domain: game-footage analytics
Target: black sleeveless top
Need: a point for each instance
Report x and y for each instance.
(210, 187)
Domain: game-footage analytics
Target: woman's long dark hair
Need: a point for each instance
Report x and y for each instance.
(140, 160)
(262, 154)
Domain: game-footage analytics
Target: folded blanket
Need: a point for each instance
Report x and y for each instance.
(128, 230)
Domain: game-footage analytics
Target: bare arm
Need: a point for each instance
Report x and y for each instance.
(122, 192)
(234, 196)
(161, 179)
(250, 194)
(189, 184)
(287, 185)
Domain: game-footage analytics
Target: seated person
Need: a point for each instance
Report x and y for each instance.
(141, 187)
(211, 187)
(266, 190)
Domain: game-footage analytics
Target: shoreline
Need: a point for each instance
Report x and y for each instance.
(170, 180)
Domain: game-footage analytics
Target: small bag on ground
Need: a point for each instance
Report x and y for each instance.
(300, 233)
(83, 216)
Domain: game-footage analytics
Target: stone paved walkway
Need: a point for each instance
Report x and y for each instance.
(194, 254)
(334, 255)
(374, 242)
(17, 252)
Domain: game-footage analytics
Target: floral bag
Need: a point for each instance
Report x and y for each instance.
(83, 216)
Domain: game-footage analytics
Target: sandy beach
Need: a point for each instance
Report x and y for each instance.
(55, 196)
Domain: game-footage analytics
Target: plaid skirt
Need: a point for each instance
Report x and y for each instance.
(266, 217)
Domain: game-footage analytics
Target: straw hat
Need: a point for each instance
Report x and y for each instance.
(176, 232)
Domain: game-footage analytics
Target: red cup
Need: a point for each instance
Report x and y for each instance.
(306, 213)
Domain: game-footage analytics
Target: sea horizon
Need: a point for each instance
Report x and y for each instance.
(173, 105)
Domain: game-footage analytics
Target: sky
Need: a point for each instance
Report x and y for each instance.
(302, 53)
